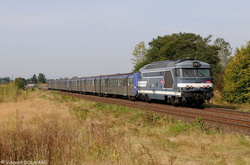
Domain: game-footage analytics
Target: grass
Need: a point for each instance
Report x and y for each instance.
(66, 130)
(10, 92)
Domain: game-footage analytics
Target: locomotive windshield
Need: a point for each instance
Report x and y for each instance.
(193, 72)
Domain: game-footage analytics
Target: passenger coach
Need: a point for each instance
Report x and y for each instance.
(117, 85)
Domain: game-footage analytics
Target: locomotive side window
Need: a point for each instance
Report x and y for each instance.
(177, 72)
(153, 74)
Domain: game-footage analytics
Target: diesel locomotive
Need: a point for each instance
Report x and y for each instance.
(180, 82)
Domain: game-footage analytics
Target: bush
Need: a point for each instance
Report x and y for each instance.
(19, 83)
(237, 77)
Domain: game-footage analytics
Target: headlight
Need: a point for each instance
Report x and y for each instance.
(189, 87)
(206, 86)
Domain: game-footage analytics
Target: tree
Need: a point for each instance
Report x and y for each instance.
(178, 46)
(24, 81)
(182, 45)
(19, 83)
(224, 52)
(139, 54)
(237, 77)
(34, 79)
(28, 81)
(41, 78)
(5, 80)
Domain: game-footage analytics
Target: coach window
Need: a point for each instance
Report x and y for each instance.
(119, 83)
(97, 82)
(112, 82)
(109, 82)
(89, 82)
(103, 82)
(115, 82)
(130, 82)
(123, 81)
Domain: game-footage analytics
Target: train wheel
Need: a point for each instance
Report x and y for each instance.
(175, 101)
(147, 99)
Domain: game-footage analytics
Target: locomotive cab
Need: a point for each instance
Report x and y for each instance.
(194, 82)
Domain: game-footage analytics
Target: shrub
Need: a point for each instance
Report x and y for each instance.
(19, 83)
(237, 77)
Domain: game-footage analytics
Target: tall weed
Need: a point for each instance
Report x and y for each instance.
(46, 138)
(10, 92)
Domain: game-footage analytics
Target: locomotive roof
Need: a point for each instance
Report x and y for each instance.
(173, 63)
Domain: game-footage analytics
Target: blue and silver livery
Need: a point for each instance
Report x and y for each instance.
(180, 82)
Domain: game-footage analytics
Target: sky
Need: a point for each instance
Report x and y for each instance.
(66, 38)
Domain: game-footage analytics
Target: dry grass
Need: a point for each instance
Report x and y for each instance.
(10, 92)
(66, 130)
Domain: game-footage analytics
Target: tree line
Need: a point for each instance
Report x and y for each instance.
(33, 80)
(231, 72)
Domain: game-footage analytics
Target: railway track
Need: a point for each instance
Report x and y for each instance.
(225, 119)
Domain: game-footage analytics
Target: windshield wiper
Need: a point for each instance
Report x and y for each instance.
(202, 75)
(187, 74)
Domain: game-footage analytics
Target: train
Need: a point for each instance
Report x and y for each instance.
(182, 82)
